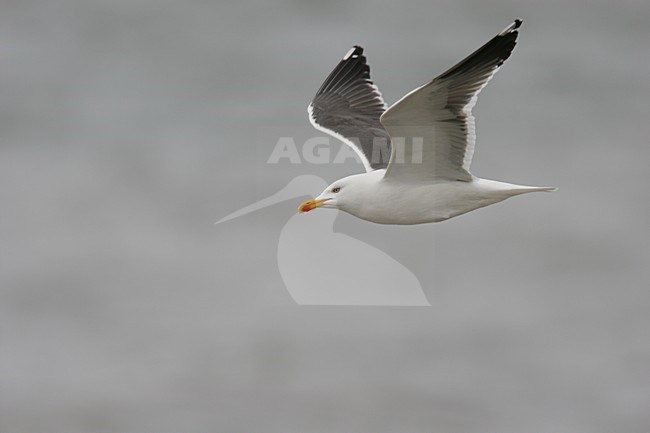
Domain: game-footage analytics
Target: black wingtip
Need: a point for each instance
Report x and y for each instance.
(352, 67)
(355, 51)
(512, 28)
(493, 53)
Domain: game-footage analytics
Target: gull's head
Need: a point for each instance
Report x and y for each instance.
(335, 196)
(330, 198)
(344, 194)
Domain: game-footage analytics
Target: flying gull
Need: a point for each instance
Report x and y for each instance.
(430, 134)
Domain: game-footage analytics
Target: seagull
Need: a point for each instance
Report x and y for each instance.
(429, 135)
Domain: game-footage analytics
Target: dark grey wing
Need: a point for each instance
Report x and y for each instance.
(348, 106)
(439, 115)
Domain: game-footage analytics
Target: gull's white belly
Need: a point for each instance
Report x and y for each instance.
(417, 203)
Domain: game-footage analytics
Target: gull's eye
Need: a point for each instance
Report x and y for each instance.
(335, 190)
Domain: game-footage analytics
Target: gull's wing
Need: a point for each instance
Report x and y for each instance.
(432, 128)
(348, 106)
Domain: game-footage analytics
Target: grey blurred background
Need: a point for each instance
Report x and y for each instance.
(128, 127)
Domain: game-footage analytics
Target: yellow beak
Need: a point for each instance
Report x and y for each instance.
(311, 204)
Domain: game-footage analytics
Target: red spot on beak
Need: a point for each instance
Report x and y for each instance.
(310, 204)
